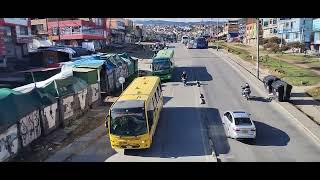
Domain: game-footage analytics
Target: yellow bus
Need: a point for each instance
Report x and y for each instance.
(133, 117)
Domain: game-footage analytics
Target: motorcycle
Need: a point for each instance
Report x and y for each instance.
(246, 93)
(184, 80)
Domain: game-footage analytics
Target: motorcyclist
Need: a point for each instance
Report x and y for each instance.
(184, 77)
(246, 88)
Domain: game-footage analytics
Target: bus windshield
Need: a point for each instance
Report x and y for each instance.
(128, 122)
(161, 65)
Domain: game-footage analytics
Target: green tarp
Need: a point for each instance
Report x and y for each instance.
(14, 105)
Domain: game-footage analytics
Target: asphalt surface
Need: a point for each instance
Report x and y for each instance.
(190, 131)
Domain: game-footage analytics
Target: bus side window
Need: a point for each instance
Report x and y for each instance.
(150, 114)
(159, 90)
(155, 96)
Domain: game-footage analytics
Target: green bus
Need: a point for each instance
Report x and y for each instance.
(163, 64)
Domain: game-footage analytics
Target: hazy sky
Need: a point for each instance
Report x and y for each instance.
(183, 19)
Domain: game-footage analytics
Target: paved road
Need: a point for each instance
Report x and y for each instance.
(186, 127)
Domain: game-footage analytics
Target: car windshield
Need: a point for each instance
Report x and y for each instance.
(161, 65)
(242, 121)
(128, 122)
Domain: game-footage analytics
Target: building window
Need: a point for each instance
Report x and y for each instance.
(270, 21)
(265, 23)
(55, 31)
(291, 25)
(296, 35)
(23, 30)
(76, 30)
(275, 31)
(287, 36)
(7, 34)
(274, 21)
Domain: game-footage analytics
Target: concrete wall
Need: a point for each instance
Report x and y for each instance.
(73, 106)
(50, 116)
(29, 128)
(9, 143)
(43, 121)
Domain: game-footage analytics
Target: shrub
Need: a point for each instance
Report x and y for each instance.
(275, 40)
(271, 46)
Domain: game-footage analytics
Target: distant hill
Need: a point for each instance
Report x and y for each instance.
(162, 22)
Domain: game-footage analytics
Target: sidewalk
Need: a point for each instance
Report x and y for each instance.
(299, 98)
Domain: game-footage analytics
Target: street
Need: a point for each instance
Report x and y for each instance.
(191, 131)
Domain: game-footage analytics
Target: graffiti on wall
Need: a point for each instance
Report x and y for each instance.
(8, 143)
(67, 103)
(50, 114)
(95, 92)
(82, 98)
(30, 128)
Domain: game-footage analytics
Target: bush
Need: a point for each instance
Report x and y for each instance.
(284, 48)
(275, 49)
(296, 45)
(274, 40)
(270, 46)
(264, 41)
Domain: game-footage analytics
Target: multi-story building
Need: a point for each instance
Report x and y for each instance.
(15, 34)
(270, 27)
(74, 31)
(39, 28)
(116, 27)
(129, 31)
(316, 34)
(296, 30)
(232, 29)
(242, 28)
(251, 31)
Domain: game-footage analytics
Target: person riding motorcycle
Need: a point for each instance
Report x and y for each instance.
(184, 77)
(246, 89)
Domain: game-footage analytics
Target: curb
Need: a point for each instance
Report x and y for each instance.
(292, 107)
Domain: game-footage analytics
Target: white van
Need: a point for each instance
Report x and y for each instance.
(185, 39)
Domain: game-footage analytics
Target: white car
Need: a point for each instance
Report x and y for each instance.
(238, 125)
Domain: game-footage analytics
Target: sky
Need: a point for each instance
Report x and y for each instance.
(184, 19)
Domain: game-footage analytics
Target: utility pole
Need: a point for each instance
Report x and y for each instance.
(257, 36)
(217, 34)
(282, 27)
(59, 31)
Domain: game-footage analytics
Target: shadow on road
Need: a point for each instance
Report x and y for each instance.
(179, 134)
(194, 73)
(217, 132)
(166, 99)
(304, 102)
(268, 136)
(299, 95)
(261, 99)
